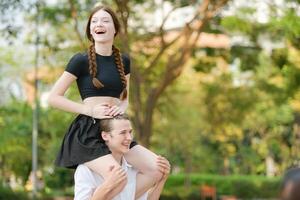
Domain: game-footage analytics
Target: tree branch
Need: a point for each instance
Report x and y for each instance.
(75, 18)
(124, 11)
(164, 46)
(175, 67)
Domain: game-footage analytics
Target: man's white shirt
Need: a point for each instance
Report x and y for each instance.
(87, 181)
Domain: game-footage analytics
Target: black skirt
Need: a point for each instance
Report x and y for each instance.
(82, 143)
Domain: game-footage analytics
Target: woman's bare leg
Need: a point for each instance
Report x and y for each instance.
(145, 161)
(102, 166)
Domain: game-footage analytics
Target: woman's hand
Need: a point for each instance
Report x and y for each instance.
(164, 167)
(104, 110)
(99, 111)
(115, 110)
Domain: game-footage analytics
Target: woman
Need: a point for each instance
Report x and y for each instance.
(102, 77)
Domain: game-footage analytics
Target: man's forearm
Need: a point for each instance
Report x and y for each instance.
(102, 193)
(154, 193)
(107, 191)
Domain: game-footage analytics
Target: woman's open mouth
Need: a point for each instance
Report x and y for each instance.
(99, 31)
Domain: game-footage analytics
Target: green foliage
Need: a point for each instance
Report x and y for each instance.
(59, 178)
(233, 23)
(56, 15)
(245, 187)
(248, 55)
(15, 138)
(8, 194)
(288, 25)
(279, 57)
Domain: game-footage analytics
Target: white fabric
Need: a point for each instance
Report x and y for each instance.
(86, 182)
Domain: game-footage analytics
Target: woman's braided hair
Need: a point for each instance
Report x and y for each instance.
(116, 52)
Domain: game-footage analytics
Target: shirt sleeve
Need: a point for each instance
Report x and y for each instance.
(75, 65)
(84, 188)
(126, 62)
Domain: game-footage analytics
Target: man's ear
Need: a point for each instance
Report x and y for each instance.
(104, 135)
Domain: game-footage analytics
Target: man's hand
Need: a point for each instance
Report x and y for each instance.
(116, 176)
(164, 167)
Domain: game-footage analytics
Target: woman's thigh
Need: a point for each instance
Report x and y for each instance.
(138, 156)
(142, 159)
(102, 165)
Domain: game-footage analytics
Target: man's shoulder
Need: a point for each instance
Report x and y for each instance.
(82, 173)
(82, 168)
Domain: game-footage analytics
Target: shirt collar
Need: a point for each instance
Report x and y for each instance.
(125, 164)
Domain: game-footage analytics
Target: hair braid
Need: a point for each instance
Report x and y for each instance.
(93, 66)
(120, 67)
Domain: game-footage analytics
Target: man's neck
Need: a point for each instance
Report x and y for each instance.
(118, 157)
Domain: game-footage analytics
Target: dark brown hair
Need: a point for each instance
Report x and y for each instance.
(106, 124)
(116, 52)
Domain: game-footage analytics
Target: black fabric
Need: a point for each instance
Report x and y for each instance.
(82, 143)
(107, 73)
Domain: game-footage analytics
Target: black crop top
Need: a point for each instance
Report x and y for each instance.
(107, 73)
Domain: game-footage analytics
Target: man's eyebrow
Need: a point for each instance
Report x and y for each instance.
(130, 130)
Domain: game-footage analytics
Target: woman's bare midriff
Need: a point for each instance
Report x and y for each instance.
(92, 101)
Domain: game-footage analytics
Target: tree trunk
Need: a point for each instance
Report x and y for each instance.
(143, 102)
(226, 166)
(270, 166)
(187, 170)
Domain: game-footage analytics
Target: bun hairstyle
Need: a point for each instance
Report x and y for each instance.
(116, 52)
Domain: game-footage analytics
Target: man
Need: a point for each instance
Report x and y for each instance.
(124, 182)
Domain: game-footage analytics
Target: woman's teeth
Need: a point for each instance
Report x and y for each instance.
(99, 32)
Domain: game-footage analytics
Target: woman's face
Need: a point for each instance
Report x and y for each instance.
(102, 27)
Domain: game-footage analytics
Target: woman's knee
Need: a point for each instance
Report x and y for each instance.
(157, 172)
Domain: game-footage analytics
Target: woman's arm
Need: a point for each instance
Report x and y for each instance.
(124, 103)
(58, 100)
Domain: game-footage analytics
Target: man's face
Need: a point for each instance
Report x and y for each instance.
(119, 139)
(102, 26)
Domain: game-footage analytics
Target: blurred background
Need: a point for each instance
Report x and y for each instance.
(214, 88)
